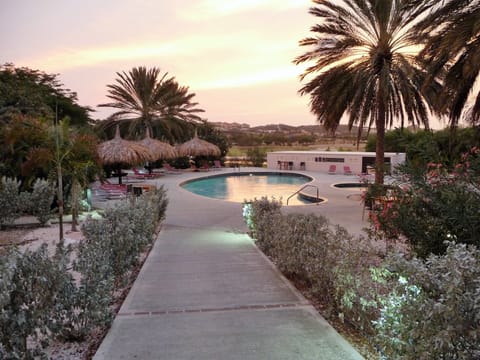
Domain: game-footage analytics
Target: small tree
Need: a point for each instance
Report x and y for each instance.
(256, 156)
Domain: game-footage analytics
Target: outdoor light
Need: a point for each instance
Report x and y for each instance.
(247, 212)
(87, 200)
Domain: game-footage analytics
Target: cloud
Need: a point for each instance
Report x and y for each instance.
(67, 58)
(267, 75)
(209, 9)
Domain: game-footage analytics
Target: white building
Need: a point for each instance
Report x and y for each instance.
(322, 161)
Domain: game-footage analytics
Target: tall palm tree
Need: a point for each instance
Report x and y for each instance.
(453, 44)
(365, 67)
(146, 99)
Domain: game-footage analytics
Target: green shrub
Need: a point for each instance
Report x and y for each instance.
(31, 285)
(41, 200)
(112, 247)
(126, 230)
(40, 300)
(434, 205)
(92, 298)
(258, 214)
(414, 308)
(256, 156)
(333, 263)
(13, 203)
(433, 312)
(10, 202)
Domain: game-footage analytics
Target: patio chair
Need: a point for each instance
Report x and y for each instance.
(332, 170)
(144, 175)
(110, 191)
(347, 170)
(169, 169)
(203, 167)
(217, 165)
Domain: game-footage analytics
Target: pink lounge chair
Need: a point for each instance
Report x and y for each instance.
(217, 165)
(169, 169)
(347, 170)
(111, 191)
(204, 167)
(143, 175)
(332, 170)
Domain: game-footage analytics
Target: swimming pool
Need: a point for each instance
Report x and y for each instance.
(239, 187)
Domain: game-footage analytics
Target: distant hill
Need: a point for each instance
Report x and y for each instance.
(318, 130)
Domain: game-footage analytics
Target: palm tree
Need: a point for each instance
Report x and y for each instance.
(365, 66)
(453, 44)
(147, 100)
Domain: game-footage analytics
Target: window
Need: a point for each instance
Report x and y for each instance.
(328, 159)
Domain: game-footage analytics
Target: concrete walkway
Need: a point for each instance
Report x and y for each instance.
(206, 292)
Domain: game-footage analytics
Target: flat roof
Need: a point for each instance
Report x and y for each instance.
(336, 153)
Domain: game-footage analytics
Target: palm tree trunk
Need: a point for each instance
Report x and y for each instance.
(380, 145)
(75, 192)
(60, 201)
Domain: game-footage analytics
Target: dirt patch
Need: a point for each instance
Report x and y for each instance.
(12, 237)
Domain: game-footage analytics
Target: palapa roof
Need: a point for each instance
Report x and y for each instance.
(160, 149)
(123, 151)
(198, 147)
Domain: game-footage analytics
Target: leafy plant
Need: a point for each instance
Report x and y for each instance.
(31, 283)
(434, 205)
(10, 204)
(256, 156)
(330, 261)
(91, 299)
(41, 200)
(433, 311)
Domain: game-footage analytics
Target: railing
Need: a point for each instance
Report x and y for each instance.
(303, 187)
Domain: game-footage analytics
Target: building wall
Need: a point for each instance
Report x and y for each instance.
(321, 161)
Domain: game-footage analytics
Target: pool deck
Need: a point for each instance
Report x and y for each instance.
(206, 292)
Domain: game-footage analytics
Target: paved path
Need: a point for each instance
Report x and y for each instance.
(206, 292)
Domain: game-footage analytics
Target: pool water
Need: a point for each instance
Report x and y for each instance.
(246, 186)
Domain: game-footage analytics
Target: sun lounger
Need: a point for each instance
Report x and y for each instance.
(110, 191)
(204, 167)
(144, 175)
(332, 170)
(217, 165)
(347, 170)
(169, 169)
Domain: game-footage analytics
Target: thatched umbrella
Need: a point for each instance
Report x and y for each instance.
(119, 151)
(159, 149)
(198, 147)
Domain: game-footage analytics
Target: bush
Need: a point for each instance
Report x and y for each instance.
(31, 284)
(41, 200)
(10, 204)
(433, 312)
(39, 299)
(258, 214)
(435, 205)
(325, 257)
(13, 203)
(256, 156)
(414, 308)
(93, 296)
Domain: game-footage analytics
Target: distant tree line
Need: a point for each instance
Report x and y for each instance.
(423, 146)
(280, 138)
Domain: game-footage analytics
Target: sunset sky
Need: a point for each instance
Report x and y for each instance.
(235, 55)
